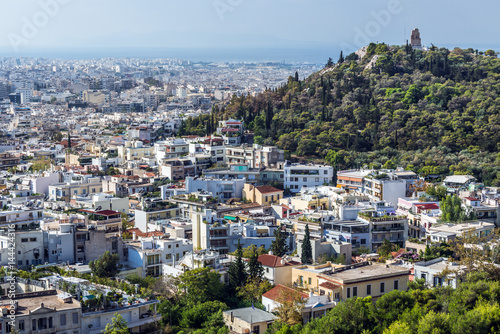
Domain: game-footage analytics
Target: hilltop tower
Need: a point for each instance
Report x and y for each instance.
(415, 40)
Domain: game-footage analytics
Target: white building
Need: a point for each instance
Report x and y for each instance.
(298, 176)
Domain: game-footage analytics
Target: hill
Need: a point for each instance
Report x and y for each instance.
(435, 111)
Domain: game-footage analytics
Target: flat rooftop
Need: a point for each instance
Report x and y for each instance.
(33, 300)
(364, 273)
(248, 314)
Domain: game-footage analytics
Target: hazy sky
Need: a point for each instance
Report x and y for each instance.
(32, 24)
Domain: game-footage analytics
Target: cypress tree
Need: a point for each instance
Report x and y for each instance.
(236, 271)
(306, 256)
(255, 269)
(278, 246)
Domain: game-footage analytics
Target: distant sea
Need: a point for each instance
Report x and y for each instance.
(314, 55)
(287, 55)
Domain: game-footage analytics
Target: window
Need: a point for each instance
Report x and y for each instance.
(355, 291)
(363, 241)
(309, 281)
(24, 239)
(169, 246)
(32, 239)
(50, 322)
(382, 287)
(337, 296)
(63, 320)
(368, 289)
(267, 270)
(348, 292)
(75, 317)
(325, 172)
(21, 325)
(305, 179)
(33, 324)
(168, 256)
(396, 284)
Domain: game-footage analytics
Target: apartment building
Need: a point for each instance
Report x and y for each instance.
(298, 176)
(255, 156)
(385, 224)
(44, 312)
(155, 213)
(78, 186)
(357, 280)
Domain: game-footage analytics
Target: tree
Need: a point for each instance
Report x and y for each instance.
(490, 53)
(200, 285)
(329, 63)
(254, 289)
(118, 325)
(306, 256)
(341, 58)
(452, 210)
(236, 271)
(439, 191)
(278, 245)
(296, 76)
(386, 248)
(106, 265)
(290, 304)
(255, 269)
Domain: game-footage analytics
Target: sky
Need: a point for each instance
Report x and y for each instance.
(29, 25)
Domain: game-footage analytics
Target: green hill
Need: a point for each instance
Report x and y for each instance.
(435, 111)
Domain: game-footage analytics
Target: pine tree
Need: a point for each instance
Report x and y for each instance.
(330, 62)
(237, 273)
(278, 246)
(296, 76)
(69, 140)
(255, 269)
(306, 256)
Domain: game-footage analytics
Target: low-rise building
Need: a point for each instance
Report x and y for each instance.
(264, 195)
(432, 272)
(248, 320)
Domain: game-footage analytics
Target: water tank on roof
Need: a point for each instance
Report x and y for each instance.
(138, 144)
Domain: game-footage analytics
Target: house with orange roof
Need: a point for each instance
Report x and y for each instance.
(315, 306)
(277, 270)
(264, 195)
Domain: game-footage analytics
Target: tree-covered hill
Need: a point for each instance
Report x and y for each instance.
(395, 103)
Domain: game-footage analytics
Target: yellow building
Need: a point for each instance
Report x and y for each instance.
(358, 280)
(362, 280)
(264, 195)
(306, 276)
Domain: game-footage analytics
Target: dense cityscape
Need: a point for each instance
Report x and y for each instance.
(156, 195)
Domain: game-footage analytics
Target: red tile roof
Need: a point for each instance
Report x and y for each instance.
(274, 261)
(268, 189)
(329, 285)
(275, 292)
(102, 213)
(472, 199)
(141, 234)
(429, 206)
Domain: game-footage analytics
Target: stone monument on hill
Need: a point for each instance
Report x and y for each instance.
(415, 40)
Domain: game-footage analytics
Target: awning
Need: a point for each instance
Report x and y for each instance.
(230, 218)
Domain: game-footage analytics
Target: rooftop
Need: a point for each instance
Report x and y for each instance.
(364, 272)
(251, 315)
(34, 301)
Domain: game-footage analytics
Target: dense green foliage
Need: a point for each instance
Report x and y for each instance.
(106, 265)
(429, 111)
(472, 308)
